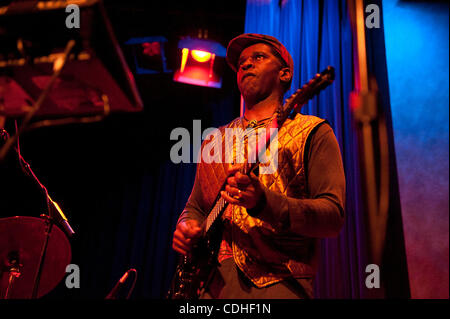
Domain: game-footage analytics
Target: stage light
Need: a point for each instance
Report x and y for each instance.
(148, 54)
(203, 65)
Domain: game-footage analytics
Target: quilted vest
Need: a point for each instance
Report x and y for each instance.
(265, 253)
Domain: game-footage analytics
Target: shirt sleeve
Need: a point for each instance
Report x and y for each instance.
(194, 206)
(322, 214)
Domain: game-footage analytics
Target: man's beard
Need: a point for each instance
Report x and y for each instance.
(252, 95)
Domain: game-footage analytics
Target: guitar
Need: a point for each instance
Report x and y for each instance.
(195, 270)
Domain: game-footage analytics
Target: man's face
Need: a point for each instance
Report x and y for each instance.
(258, 72)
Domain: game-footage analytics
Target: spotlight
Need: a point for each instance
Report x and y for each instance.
(201, 62)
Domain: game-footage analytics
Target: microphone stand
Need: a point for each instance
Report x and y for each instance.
(55, 214)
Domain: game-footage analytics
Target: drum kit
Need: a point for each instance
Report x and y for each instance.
(22, 268)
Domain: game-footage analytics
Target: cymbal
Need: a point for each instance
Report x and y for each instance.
(22, 238)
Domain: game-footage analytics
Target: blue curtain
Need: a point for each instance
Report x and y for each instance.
(149, 213)
(318, 34)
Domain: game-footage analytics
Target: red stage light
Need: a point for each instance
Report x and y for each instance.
(200, 67)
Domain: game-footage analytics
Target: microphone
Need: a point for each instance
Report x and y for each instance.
(57, 213)
(114, 292)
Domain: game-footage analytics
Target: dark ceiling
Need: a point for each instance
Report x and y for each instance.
(173, 19)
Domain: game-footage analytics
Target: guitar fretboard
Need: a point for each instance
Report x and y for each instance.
(220, 205)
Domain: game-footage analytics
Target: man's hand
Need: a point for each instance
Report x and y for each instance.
(185, 235)
(241, 189)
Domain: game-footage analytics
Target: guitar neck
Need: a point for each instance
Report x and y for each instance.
(216, 211)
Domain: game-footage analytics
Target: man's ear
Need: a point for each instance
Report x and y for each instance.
(285, 75)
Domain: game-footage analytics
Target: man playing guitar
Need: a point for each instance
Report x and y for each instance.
(273, 223)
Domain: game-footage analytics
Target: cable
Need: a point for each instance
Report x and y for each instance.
(26, 167)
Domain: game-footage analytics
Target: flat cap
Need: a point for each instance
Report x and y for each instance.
(238, 44)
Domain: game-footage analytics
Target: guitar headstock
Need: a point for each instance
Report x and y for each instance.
(306, 92)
